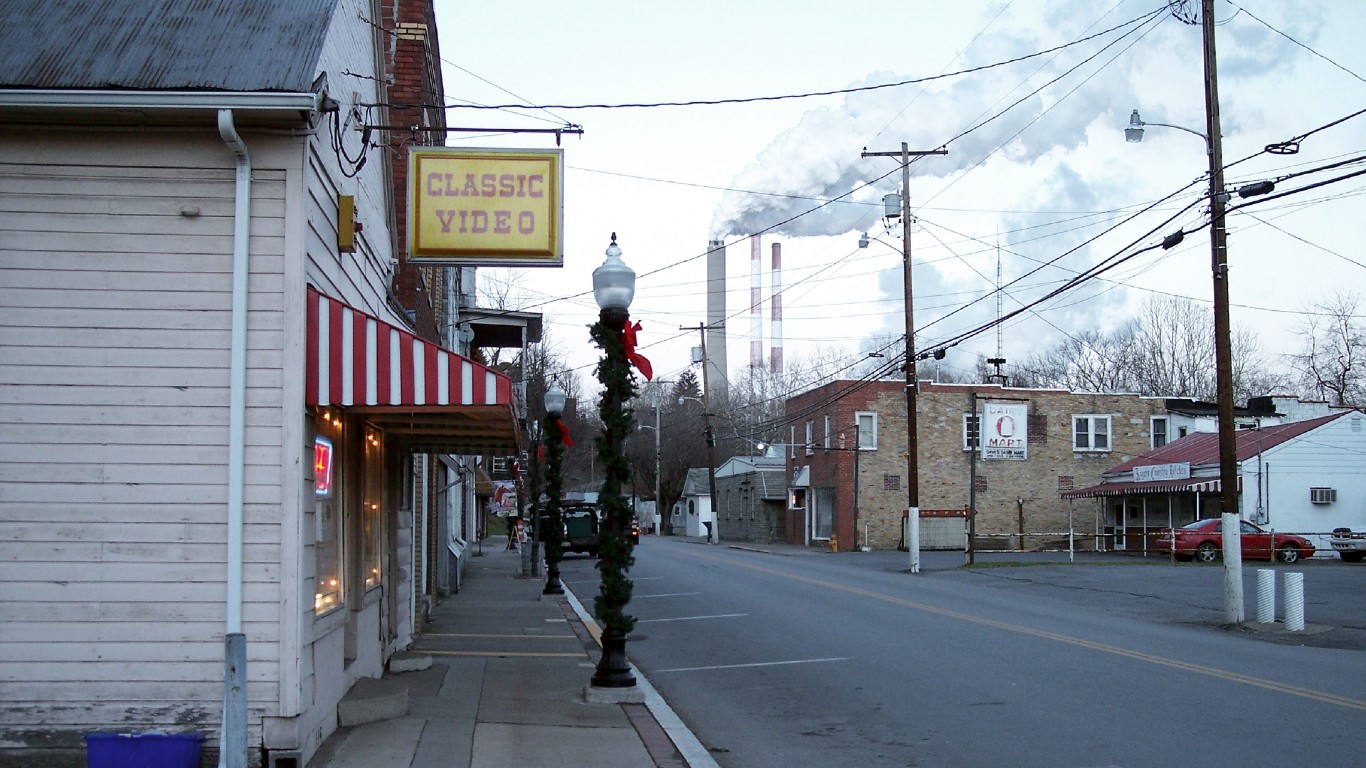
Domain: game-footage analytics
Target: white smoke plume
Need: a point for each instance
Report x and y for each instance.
(1030, 147)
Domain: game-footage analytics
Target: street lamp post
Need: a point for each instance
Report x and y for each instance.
(714, 532)
(614, 285)
(554, 453)
(1230, 520)
(658, 512)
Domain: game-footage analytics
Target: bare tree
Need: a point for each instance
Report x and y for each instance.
(1331, 359)
(1172, 349)
(1087, 361)
(681, 440)
(1166, 351)
(499, 288)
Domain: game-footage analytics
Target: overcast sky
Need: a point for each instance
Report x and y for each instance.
(1037, 178)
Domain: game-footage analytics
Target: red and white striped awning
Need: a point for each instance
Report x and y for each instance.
(425, 395)
(1128, 488)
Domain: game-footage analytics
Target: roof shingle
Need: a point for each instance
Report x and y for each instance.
(227, 45)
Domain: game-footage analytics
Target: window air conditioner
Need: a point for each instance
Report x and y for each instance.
(1323, 495)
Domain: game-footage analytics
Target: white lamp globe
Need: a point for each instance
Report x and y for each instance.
(554, 400)
(614, 283)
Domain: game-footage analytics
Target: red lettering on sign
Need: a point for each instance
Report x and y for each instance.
(478, 222)
(445, 218)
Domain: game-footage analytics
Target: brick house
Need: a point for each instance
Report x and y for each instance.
(848, 462)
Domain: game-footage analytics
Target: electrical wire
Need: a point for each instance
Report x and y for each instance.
(787, 97)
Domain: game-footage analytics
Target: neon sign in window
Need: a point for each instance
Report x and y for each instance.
(322, 466)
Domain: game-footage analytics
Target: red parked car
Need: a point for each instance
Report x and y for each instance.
(1203, 541)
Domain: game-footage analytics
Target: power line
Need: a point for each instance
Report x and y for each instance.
(786, 97)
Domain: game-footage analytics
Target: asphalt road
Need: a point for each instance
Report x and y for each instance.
(797, 658)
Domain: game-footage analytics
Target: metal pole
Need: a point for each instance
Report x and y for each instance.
(969, 555)
(659, 511)
(1223, 344)
(857, 451)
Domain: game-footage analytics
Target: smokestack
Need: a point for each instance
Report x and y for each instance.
(716, 319)
(756, 303)
(775, 362)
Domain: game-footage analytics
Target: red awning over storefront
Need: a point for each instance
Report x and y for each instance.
(1184, 485)
(427, 397)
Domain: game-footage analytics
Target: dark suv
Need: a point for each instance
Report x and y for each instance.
(580, 527)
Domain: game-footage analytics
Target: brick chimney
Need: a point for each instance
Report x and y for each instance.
(413, 60)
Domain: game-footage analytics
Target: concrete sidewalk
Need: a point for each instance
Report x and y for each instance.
(507, 686)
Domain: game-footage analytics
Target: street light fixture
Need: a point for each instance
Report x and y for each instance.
(614, 285)
(658, 510)
(713, 533)
(1134, 133)
(554, 453)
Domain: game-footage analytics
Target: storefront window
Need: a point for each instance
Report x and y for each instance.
(327, 514)
(372, 528)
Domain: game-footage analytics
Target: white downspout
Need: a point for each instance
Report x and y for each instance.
(233, 737)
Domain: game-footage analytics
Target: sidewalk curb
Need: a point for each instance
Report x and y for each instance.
(687, 744)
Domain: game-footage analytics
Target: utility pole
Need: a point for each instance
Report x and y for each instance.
(912, 425)
(659, 510)
(1230, 520)
(713, 535)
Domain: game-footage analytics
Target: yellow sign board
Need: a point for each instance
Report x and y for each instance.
(486, 207)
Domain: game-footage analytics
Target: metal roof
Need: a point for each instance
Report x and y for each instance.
(1201, 451)
(1203, 447)
(697, 483)
(240, 45)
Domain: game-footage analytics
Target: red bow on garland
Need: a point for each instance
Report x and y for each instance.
(564, 438)
(638, 360)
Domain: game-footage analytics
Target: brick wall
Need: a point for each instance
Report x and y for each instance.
(413, 59)
(1011, 496)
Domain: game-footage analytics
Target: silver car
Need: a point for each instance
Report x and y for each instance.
(1350, 543)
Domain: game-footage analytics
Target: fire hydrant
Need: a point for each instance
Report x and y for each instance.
(834, 543)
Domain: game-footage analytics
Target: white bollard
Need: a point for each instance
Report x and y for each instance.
(913, 537)
(1266, 596)
(1294, 602)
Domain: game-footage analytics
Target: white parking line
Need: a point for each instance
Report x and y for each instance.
(756, 664)
(668, 594)
(693, 618)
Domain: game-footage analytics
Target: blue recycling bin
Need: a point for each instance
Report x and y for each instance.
(143, 750)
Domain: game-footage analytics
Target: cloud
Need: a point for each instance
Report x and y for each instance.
(818, 159)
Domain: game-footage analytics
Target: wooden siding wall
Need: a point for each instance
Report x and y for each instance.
(1332, 456)
(114, 348)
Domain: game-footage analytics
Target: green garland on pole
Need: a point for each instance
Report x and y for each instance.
(553, 535)
(614, 548)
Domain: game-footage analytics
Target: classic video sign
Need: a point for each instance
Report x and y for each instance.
(486, 207)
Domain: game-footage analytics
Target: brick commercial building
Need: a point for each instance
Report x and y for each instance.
(848, 462)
